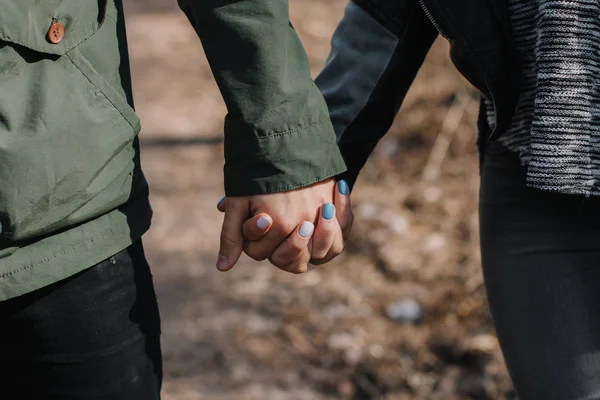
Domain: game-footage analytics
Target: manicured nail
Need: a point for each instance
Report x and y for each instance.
(306, 229)
(220, 201)
(343, 187)
(222, 263)
(262, 222)
(327, 211)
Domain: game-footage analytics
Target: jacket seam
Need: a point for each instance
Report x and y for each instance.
(50, 258)
(285, 133)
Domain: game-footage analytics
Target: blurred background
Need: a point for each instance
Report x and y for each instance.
(401, 315)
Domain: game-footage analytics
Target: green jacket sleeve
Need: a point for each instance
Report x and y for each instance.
(278, 135)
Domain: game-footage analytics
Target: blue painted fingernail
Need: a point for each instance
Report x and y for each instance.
(220, 201)
(327, 211)
(343, 187)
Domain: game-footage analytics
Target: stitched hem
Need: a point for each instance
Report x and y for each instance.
(57, 257)
(304, 184)
(50, 258)
(253, 136)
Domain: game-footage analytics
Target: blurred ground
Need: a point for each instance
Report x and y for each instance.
(338, 331)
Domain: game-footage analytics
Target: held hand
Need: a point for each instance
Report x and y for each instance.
(269, 221)
(333, 225)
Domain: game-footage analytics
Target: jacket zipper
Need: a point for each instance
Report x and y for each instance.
(435, 24)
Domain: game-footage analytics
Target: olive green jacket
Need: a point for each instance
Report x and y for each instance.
(71, 188)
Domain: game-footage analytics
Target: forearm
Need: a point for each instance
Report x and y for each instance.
(278, 135)
(376, 53)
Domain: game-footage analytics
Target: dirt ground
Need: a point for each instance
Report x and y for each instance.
(334, 332)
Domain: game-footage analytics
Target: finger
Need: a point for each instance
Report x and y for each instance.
(221, 204)
(343, 208)
(294, 256)
(324, 232)
(264, 247)
(336, 248)
(256, 227)
(232, 241)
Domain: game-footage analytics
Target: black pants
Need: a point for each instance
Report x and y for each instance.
(93, 336)
(541, 264)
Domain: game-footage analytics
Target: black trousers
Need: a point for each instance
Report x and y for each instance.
(541, 264)
(93, 336)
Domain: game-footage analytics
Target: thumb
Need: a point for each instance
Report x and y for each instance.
(232, 241)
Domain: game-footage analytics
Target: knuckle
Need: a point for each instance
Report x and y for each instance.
(283, 222)
(255, 254)
(337, 248)
(276, 261)
(286, 258)
(346, 222)
(347, 228)
(251, 236)
(288, 226)
(315, 261)
(350, 220)
(227, 240)
(318, 255)
(298, 269)
(282, 228)
(296, 247)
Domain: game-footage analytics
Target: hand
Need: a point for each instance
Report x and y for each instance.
(325, 245)
(286, 218)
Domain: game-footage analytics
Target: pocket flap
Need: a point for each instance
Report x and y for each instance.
(26, 22)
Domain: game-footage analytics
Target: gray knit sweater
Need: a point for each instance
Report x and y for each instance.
(556, 126)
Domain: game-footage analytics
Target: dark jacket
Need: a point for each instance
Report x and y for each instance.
(391, 39)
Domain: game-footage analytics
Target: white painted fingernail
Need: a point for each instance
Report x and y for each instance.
(306, 229)
(262, 222)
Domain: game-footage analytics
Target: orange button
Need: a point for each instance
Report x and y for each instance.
(56, 32)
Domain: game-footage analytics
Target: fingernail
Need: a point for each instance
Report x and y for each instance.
(327, 211)
(263, 222)
(222, 263)
(343, 187)
(306, 229)
(220, 201)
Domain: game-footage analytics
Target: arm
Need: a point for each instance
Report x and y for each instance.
(377, 50)
(278, 136)
(376, 53)
(280, 147)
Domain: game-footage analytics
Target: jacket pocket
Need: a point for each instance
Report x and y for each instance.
(66, 126)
